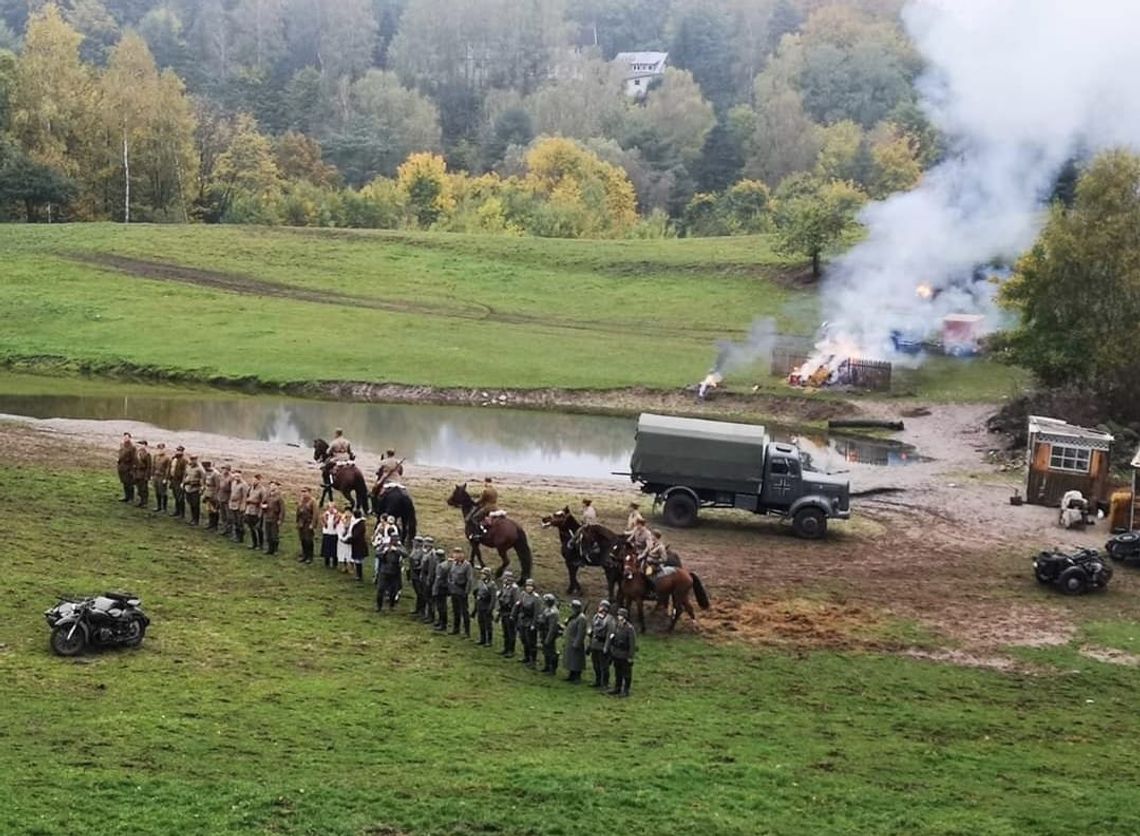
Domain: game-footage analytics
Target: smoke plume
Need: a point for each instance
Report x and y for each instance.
(756, 348)
(1018, 87)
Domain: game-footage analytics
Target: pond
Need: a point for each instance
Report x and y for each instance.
(473, 439)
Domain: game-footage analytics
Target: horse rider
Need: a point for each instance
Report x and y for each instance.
(621, 645)
(589, 512)
(589, 517)
(641, 539)
(487, 503)
(631, 520)
(339, 452)
(601, 626)
(659, 562)
(390, 467)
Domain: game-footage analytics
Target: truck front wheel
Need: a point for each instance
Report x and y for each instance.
(810, 523)
(680, 511)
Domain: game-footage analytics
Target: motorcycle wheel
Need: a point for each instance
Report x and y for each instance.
(136, 632)
(1103, 576)
(64, 646)
(1042, 577)
(1073, 580)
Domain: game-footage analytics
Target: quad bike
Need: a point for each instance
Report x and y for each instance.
(1072, 573)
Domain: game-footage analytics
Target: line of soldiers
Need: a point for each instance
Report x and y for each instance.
(526, 618)
(233, 505)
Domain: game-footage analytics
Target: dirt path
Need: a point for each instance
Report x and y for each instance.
(939, 553)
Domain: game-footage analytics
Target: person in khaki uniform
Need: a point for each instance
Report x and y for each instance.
(177, 474)
(238, 490)
(211, 484)
(273, 516)
(225, 526)
(192, 489)
(125, 467)
(488, 502)
(306, 524)
(143, 470)
(160, 477)
(254, 500)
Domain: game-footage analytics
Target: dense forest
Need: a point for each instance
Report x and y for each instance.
(480, 115)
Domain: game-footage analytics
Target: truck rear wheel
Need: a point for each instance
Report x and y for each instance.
(810, 523)
(680, 511)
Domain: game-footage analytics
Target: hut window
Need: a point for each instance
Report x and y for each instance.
(1074, 459)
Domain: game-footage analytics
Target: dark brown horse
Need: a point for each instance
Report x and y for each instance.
(345, 477)
(581, 546)
(677, 585)
(500, 534)
(608, 547)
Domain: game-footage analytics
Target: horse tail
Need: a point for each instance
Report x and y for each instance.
(522, 547)
(699, 591)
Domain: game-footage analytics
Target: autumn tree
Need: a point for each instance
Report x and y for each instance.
(422, 180)
(814, 217)
(586, 197)
(1077, 292)
(245, 181)
(130, 100)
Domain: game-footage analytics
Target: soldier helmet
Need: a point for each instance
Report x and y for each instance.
(528, 582)
(623, 612)
(508, 575)
(576, 604)
(603, 604)
(429, 539)
(548, 599)
(440, 553)
(417, 539)
(179, 448)
(486, 572)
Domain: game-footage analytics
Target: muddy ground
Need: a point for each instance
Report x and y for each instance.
(937, 567)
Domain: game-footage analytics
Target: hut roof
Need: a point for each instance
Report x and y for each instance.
(1055, 431)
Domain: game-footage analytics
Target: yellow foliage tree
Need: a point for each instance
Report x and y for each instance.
(423, 181)
(569, 175)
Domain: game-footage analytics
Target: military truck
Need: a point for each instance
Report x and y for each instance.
(688, 464)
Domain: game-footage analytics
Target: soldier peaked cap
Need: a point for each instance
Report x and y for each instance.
(440, 553)
(418, 539)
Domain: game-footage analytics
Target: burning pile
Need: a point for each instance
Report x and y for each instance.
(832, 363)
(712, 381)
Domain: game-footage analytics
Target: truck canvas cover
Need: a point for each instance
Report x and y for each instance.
(701, 454)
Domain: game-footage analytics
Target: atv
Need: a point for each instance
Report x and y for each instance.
(1124, 546)
(1072, 573)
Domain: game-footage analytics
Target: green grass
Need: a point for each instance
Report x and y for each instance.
(269, 698)
(458, 310)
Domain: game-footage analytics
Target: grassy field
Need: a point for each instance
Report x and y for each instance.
(275, 305)
(269, 698)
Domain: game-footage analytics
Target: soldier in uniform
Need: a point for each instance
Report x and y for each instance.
(427, 580)
(485, 595)
(439, 588)
(160, 476)
(415, 565)
(390, 467)
(212, 481)
(589, 512)
(508, 597)
(642, 539)
(388, 575)
(126, 467)
(273, 516)
(633, 518)
(142, 472)
(621, 646)
(526, 616)
(549, 629)
(254, 499)
(459, 582)
(488, 501)
(225, 521)
(238, 491)
(341, 448)
(601, 625)
(575, 648)
(306, 524)
(177, 474)
(192, 489)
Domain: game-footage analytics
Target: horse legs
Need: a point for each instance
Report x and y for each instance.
(641, 611)
(505, 562)
(572, 574)
(476, 555)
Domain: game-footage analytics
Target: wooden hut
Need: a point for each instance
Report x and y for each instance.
(1064, 457)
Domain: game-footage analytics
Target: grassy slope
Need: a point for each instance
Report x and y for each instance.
(269, 698)
(584, 314)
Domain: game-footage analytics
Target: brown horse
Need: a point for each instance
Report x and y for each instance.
(676, 586)
(346, 477)
(591, 545)
(500, 535)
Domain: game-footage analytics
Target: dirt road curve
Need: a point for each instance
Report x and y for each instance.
(947, 552)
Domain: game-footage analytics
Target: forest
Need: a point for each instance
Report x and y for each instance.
(500, 116)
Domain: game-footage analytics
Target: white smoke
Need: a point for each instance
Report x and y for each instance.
(1018, 87)
(755, 348)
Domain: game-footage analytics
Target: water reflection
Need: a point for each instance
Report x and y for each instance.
(473, 439)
